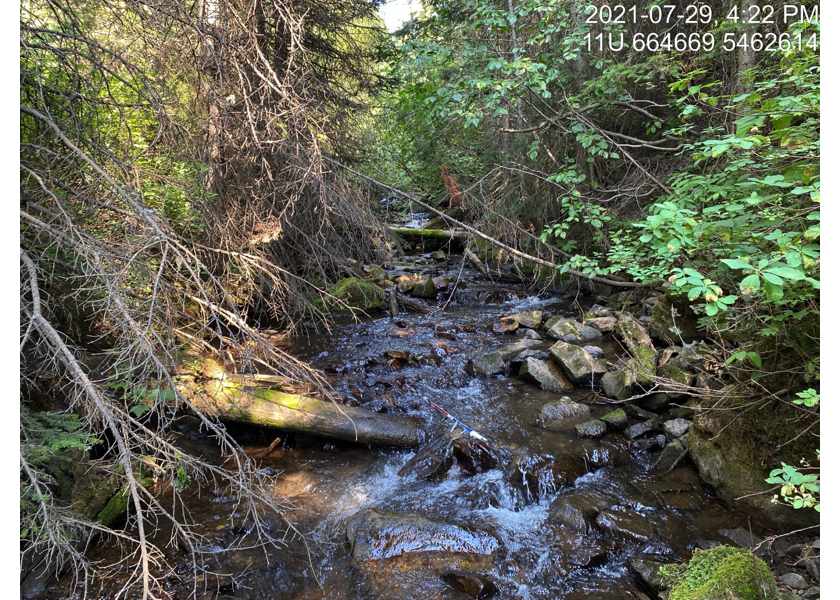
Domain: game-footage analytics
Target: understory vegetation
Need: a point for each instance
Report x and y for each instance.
(196, 177)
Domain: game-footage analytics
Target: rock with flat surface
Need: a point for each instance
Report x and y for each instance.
(675, 428)
(569, 330)
(640, 429)
(617, 419)
(545, 374)
(530, 319)
(591, 429)
(618, 384)
(554, 415)
(497, 360)
(577, 363)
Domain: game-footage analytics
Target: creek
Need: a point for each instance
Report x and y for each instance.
(549, 515)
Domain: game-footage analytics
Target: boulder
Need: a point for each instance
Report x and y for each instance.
(591, 429)
(425, 288)
(376, 273)
(672, 456)
(617, 419)
(377, 534)
(569, 330)
(655, 402)
(496, 361)
(530, 353)
(553, 415)
(625, 523)
(794, 581)
(640, 429)
(577, 363)
(678, 380)
(646, 570)
(618, 384)
(541, 474)
(505, 325)
(576, 510)
(530, 334)
(638, 413)
(675, 428)
(530, 319)
(545, 374)
(637, 342)
(602, 324)
(673, 321)
(724, 453)
(405, 283)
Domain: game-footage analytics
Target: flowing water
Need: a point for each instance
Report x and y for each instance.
(397, 365)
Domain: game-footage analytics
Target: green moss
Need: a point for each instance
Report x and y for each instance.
(355, 293)
(115, 508)
(721, 573)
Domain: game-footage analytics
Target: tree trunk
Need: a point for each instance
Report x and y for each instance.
(301, 414)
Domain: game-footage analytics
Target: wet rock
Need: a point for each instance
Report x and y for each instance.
(545, 374)
(541, 474)
(441, 283)
(648, 444)
(530, 353)
(625, 523)
(577, 363)
(530, 334)
(569, 330)
(675, 428)
(673, 455)
(618, 384)
(577, 510)
(655, 402)
(635, 338)
(638, 413)
(646, 570)
(425, 288)
(603, 455)
(616, 419)
(706, 544)
(552, 416)
(530, 319)
(405, 283)
(473, 455)
(471, 584)
(640, 429)
(376, 534)
(602, 324)
(591, 429)
(496, 361)
(594, 351)
(579, 552)
(794, 581)
(438, 255)
(433, 460)
(551, 321)
(505, 325)
(488, 364)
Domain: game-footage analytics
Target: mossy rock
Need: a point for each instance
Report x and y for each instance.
(721, 573)
(355, 293)
(670, 311)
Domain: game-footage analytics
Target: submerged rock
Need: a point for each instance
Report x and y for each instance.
(625, 523)
(376, 534)
(471, 584)
(553, 416)
(576, 510)
(591, 429)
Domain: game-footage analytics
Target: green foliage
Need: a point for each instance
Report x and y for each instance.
(720, 573)
(798, 490)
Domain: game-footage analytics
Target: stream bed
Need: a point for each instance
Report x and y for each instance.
(533, 514)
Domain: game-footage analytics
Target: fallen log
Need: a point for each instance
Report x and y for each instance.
(443, 235)
(231, 402)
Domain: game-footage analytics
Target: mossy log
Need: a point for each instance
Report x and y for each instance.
(443, 235)
(231, 402)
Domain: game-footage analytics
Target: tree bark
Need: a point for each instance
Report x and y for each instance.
(301, 414)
